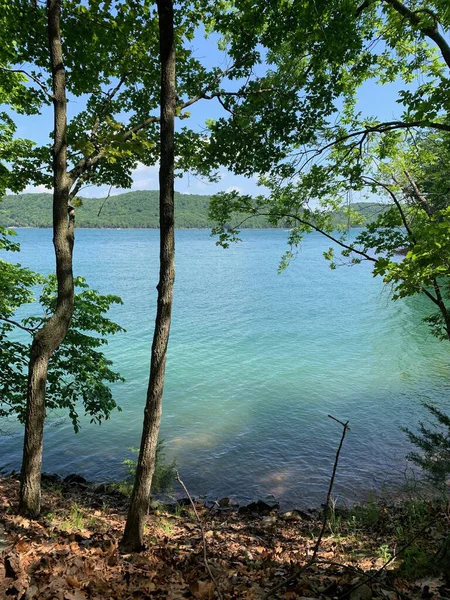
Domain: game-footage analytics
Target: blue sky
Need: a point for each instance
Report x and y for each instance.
(373, 99)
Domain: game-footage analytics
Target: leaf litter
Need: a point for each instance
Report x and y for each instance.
(71, 552)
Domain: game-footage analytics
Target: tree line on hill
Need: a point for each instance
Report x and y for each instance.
(140, 210)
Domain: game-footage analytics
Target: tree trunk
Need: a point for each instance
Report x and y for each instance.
(133, 538)
(49, 337)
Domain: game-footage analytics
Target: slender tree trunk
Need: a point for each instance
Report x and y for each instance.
(133, 538)
(47, 339)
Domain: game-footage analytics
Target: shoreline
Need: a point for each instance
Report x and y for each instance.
(72, 550)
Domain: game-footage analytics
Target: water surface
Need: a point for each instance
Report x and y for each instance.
(256, 362)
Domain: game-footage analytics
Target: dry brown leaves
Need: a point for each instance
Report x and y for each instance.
(73, 554)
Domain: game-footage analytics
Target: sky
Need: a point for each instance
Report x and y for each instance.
(373, 99)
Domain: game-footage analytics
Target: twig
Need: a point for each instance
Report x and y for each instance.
(369, 576)
(104, 202)
(205, 551)
(306, 566)
(393, 557)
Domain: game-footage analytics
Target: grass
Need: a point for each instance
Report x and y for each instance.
(74, 521)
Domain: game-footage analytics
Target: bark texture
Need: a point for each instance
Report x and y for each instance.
(133, 538)
(49, 337)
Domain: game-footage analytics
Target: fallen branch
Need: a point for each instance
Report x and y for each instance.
(202, 529)
(313, 558)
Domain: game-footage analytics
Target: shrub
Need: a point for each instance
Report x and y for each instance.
(434, 443)
(164, 475)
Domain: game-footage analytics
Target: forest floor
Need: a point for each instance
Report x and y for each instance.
(376, 550)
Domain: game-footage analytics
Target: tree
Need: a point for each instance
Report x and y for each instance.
(140, 498)
(52, 333)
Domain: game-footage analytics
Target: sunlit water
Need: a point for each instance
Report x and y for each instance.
(256, 362)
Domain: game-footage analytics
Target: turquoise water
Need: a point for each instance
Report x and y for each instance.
(256, 363)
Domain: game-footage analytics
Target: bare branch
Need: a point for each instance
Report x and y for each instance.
(104, 202)
(312, 560)
(205, 550)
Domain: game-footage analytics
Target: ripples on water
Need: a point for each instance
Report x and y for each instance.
(256, 362)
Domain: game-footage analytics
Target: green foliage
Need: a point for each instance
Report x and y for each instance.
(383, 553)
(164, 474)
(416, 562)
(433, 443)
(140, 210)
(78, 369)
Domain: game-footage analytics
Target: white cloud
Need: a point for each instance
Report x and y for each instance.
(37, 189)
(234, 188)
(145, 182)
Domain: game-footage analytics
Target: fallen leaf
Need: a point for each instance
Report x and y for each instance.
(203, 590)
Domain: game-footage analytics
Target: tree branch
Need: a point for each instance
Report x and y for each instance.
(202, 529)
(104, 202)
(16, 324)
(86, 164)
(419, 197)
(431, 32)
(35, 79)
(396, 202)
(318, 229)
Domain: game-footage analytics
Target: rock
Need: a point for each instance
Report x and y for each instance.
(74, 478)
(363, 592)
(297, 515)
(101, 488)
(50, 478)
(260, 507)
(226, 503)
(269, 520)
(291, 515)
(271, 501)
(184, 502)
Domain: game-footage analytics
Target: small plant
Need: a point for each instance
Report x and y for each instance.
(123, 487)
(164, 475)
(50, 518)
(416, 562)
(167, 527)
(334, 522)
(383, 553)
(75, 519)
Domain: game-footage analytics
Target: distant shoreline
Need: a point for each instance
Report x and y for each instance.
(140, 210)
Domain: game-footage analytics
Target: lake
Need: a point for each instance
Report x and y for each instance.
(256, 362)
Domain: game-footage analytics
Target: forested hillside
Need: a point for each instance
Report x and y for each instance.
(133, 210)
